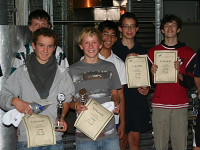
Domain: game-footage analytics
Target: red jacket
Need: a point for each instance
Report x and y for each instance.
(174, 95)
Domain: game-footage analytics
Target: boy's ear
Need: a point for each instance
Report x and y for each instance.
(100, 46)
(30, 28)
(179, 30)
(120, 29)
(33, 45)
(81, 47)
(137, 28)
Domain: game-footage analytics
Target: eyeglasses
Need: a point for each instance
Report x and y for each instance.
(109, 35)
(129, 27)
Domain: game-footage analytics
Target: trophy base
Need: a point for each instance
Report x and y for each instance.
(58, 127)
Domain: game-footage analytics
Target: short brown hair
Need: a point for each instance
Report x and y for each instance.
(169, 18)
(45, 32)
(128, 15)
(39, 14)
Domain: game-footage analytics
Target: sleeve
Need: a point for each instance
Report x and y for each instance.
(67, 87)
(188, 77)
(115, 81)
(151, 56)
(197, 65)
(19, 59)
(61, 58)
(10, 89)
(122, 74)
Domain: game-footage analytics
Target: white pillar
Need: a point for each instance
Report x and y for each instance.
(48, 7)
(22, 12)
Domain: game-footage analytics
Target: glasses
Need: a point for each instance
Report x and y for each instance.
(112, 35)
(129, 27)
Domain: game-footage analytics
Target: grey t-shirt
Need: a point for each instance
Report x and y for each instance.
(99, 80)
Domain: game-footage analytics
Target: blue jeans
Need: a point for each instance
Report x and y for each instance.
(106, 144)
(23, 146)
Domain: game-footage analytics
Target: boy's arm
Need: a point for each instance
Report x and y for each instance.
(121, 129)
(115, 97)
(19, 59)
(187, 79)
(10, 90)
(65, 109)
(62, 120)
(197, 83)
(22, 106)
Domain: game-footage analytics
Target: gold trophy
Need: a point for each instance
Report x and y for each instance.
(61, 98)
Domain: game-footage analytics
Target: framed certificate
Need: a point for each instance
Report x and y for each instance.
(93, 120)
(39, 129)
(137, 71)
(166, 72)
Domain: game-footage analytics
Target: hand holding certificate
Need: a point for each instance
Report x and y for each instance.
(39, 129)
(166, 72)
(137, 71)
(93, 120)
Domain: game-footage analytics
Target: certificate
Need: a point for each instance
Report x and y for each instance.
(93, 120)
(137, 71)
(166, 72)
(39, 129)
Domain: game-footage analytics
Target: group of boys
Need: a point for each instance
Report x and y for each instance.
(102, 73)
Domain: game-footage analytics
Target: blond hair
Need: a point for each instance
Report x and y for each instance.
(89, 31)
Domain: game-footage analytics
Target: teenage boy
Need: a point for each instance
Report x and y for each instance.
(101, 80)
(197, 83)
(39, 78)
(36, 20)
(170, 101)
(109, 33)
(137, 109)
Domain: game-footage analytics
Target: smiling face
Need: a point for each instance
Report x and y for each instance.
(171, 30)
(44, 48)
(128, 28)
(91, 46)
(109, 38)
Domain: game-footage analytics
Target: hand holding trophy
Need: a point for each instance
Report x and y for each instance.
(61, 98)
(81, 100)
(83, 96)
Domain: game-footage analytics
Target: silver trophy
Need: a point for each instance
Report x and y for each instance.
(61, 98)
(83, 96)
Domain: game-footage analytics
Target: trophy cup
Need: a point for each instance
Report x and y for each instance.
(83, 95)
(61, 97)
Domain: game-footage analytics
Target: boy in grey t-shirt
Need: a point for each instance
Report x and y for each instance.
(101, 80)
